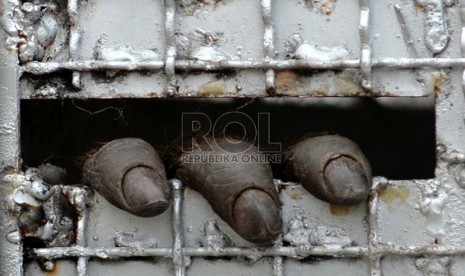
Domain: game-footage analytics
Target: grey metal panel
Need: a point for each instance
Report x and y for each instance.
(407, 227)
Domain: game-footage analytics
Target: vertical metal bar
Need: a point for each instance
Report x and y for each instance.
(170, 11)
(82, 241)
(278, 262)
(74, 38)
(278, 269)
(178, 245)
(373, 242)
(462, 39)
(405, 32)
(11, 251)
(79, 197)
(365, 56)
(268, 43)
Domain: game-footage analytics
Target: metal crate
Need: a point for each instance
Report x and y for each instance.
(408, 226)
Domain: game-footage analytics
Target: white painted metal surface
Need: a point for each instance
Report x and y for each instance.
(365, 48)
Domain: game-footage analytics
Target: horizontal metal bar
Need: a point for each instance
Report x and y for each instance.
(416, 251)
(290, 252)
(102, 253)
(125, 252)
(91, 65)
(39, 68)
(416, 63)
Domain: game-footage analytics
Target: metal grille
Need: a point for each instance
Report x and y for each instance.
(171, 65)
(374, 251)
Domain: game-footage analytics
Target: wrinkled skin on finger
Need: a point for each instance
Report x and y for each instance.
(242, 193)
(129, 173)
(332, 168)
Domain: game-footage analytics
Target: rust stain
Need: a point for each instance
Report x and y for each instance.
(287, 81)
(322, 90)
(125, 95)
(393, 196)
(338, 210)
(439, 80)
(328, 7)
(214, 88)
(293, 193)
(418, 7)
(54, 272)
(347, 86)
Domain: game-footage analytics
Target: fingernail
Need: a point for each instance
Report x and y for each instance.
(345, 179)
(145, 192)
(257, 216)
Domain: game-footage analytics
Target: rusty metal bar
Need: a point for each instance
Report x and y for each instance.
(170, 29)
(365, 52)
(268, 43)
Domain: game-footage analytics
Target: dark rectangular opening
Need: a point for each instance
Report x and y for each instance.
(396, 134)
